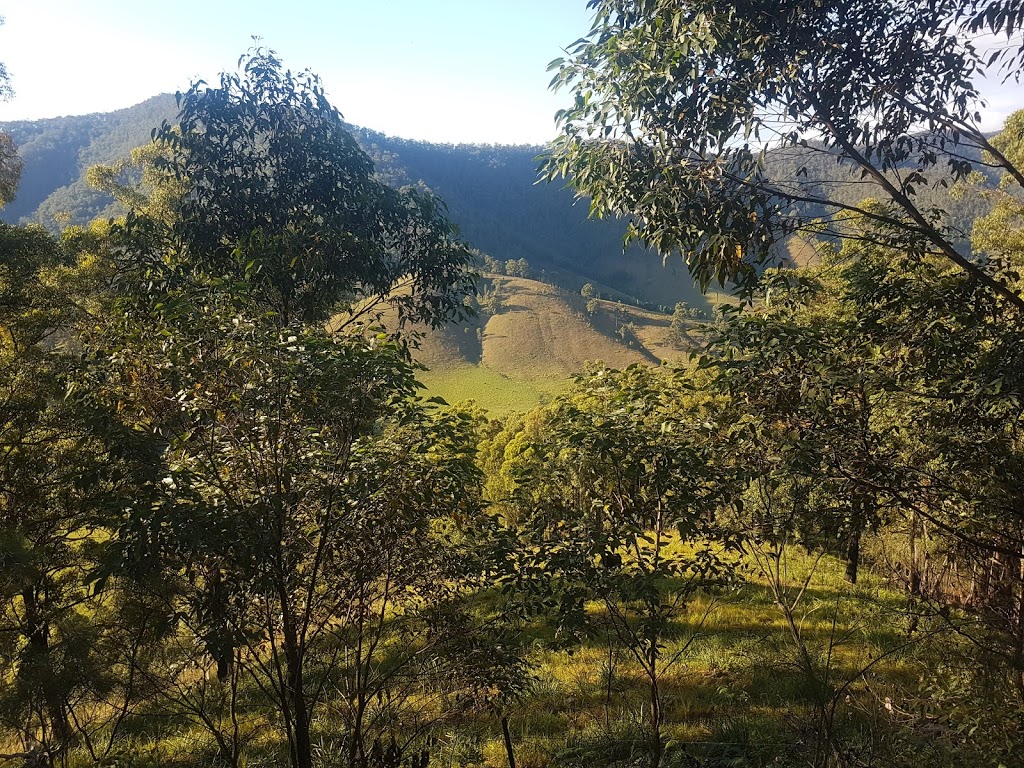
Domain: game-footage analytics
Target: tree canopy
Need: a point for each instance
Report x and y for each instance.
(677, 103)
(275, 190)
(10, 164)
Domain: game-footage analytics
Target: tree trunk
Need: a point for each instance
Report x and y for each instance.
(853, 544)
(853, 556)
(1019, 631)
(37, 631)
(302, 753)
(294, 690)
(303, 757)
(507, 735)
(655, 705)
(914, 576)
(219, 643)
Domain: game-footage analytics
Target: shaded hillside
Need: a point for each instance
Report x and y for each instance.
(490, 190)
(58, 151)
(537, 336)
(818, 173)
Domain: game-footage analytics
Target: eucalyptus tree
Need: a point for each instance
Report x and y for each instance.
(678, 103)
(10, 163)
(10, 169)
(809, 398)
(617, 503)
(952, 359)
(65, 469)
(296, 531)
(275, 190)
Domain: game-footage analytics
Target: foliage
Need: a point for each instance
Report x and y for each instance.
(618, 505)
(673, 102)
(277, 191)
(67, 467)
(10, 164)
(10, 169)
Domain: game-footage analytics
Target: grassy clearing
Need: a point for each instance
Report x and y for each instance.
(499, 394)
(737, 697)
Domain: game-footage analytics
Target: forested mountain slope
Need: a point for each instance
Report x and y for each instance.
(58, 151)
(491, 192)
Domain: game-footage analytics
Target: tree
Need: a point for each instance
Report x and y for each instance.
(517, 268)
(10, 163)
(882, 390)
(299, 530)
(65, 471)
(1000, 233)
(493, 265)
(137, 183)
(10, 169)
(276, 191)
(682, 316)
(809, 392)
(301, 514)
(617, 502)
(677, 104)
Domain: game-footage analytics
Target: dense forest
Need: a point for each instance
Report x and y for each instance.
(235, 533)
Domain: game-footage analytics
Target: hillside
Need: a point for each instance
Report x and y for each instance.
(57, 152)
(490, 191)
(538, 335)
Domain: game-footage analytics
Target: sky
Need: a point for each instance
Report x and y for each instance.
(471, 71)
(437, 70)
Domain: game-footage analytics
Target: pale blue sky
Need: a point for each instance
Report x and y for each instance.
(438, 70)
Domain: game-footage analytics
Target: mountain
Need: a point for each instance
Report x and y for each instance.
(491, 192)
(57, 152)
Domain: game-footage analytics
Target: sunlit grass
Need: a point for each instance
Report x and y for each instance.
(499, 395)
(737, 695)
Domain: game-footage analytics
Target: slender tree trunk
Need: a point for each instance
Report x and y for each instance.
(853, 557)
(655, 706)
(1019, 631)
(37, 631)
(507, 736)
(853, 544)
(294, 690)
(822, 696)
(608, 684)
(656, 745)
(913, 574)
(303, 752)
(219, 643)
(914, 577)
(357, 695)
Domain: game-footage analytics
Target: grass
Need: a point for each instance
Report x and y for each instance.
(524, 354)
(499, 394)
(736, 698)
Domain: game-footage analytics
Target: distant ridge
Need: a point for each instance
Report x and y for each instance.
(490, 190)
(57, 151)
